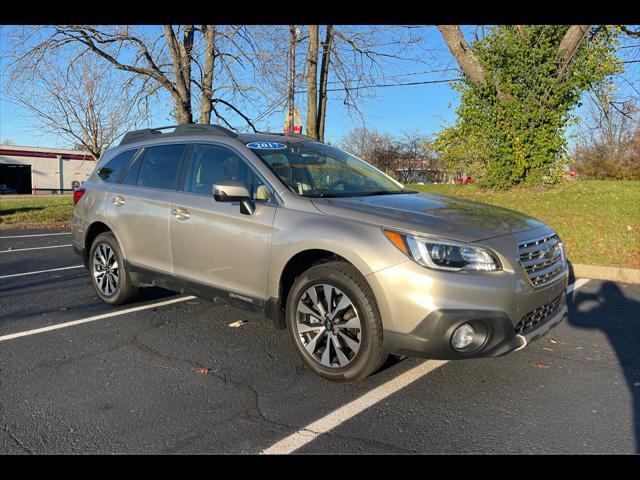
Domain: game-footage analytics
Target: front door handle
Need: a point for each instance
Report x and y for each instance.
(118, 201)
(181, 213)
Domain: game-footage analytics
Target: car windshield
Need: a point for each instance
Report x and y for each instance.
(313, 169)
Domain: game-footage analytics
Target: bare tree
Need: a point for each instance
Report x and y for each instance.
(406, 156)
(181, 61)
(352, 58)
(82, 101)
(608, 140)
(414, 159)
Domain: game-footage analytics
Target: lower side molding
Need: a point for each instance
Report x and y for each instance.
(148, 277)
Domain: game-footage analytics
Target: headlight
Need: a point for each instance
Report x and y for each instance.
(444, 254)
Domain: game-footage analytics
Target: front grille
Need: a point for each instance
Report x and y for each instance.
(538, 316)
(543, 259)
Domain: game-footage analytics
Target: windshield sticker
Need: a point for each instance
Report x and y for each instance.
(266, 146)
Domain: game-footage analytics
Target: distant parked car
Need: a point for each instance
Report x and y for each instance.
(465, 180)
(4, 190)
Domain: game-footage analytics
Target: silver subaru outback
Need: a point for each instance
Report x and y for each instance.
(351, 263)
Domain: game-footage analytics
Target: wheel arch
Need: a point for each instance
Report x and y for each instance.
(96, 228)
(296, 264)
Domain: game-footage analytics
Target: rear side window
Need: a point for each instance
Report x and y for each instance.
(112, 171)
(160, 167)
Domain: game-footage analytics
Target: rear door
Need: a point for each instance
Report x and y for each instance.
(213, 243)
(139, 207)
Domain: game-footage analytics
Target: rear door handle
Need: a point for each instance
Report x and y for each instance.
(118, 201)
(181, 213)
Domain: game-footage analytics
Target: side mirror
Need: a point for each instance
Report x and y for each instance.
(234, 192)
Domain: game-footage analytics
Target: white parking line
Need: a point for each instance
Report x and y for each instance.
(93, 319)
(40, 271)
(35, 235)
(330, 421)
(34, 248)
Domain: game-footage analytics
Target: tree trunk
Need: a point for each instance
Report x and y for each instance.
(209, 32)
(467, 60)
(312, 82)
(463, 54)
(181, 54)
(292, 76)
(324, 75)
(569, 45)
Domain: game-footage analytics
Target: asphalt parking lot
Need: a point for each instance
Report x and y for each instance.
(169, 375)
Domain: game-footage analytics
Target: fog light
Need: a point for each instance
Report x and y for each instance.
(462, 336)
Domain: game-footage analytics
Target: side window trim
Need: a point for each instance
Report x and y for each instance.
(128, 166)
(185, 166)
(275, 198)
(135, 164)
(102, 164)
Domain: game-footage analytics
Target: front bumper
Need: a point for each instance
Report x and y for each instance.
(432, 337)
(421, 307)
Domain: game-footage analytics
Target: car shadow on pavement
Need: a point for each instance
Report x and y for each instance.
(618, 317)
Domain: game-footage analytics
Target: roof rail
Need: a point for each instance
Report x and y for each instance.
(179, 130)
(289, 135)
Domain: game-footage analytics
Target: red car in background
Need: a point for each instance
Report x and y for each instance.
(465, 180)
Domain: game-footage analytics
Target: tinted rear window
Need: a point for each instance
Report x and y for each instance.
(112, 171)
(160, 166)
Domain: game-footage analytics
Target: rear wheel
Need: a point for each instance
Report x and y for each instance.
(109, 275)
(334, 323)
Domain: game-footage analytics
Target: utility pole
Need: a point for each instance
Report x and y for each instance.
(292, 114)
(292, 73)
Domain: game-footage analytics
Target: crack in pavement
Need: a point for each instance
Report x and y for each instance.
(253, 414)
(5, 428)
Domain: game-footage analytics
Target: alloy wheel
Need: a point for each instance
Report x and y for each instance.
(105, 269)
(328, 326)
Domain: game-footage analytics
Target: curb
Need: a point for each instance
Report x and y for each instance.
(600, 272)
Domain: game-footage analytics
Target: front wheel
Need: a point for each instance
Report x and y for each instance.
(334, 322)
(109, 275)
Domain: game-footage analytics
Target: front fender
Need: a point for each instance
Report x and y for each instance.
(361, 244)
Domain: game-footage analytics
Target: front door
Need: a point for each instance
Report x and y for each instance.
(212, 243)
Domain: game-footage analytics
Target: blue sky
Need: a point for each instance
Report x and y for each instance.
(395, 109)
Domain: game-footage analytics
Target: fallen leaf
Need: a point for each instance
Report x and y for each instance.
(203, 370)
(237, 324)
(541, 365)
(552, 340)
(547, 349)
(629, 228)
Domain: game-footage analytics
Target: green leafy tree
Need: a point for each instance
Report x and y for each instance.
(521, 86)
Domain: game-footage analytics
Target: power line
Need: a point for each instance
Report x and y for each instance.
(386, 85)
(441, 70)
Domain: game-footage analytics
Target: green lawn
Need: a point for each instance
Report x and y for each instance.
(40, 210)
(598, 220)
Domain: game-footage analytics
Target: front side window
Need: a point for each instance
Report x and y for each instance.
(211, 164)
(313, 169)
(160, 166)
(112, 171)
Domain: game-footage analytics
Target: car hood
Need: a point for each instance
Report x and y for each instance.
(432, 214)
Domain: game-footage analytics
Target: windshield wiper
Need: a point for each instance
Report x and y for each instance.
(384, 192)
(360, 194)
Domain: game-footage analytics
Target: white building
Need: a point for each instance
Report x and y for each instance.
(47, 170)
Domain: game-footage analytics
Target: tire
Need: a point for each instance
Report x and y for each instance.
(361, 352)
(119, 289)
